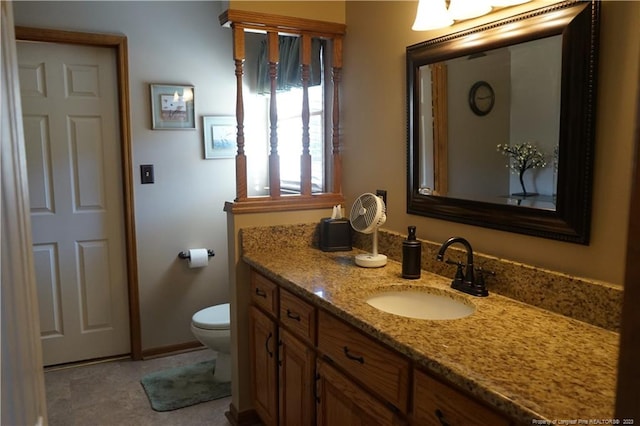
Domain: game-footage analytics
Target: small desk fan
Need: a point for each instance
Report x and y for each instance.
(368, 213)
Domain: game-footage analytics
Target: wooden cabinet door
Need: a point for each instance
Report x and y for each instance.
(264, 366)
(341, 402)
(438, 404)
(297, 368)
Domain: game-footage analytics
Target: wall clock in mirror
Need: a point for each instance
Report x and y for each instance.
(481, 98)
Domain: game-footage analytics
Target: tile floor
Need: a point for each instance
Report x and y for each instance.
(110, 393)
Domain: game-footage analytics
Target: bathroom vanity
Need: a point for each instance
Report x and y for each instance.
(321, 355)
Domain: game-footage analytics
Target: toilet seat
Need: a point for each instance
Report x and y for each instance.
(212, 318)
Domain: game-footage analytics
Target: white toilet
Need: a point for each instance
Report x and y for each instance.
(211, 328)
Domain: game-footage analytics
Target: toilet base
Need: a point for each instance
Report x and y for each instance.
(222, 372)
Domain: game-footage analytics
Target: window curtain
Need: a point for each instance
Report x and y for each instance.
(289, 68)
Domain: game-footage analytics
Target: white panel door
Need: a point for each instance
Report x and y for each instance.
(70, 114)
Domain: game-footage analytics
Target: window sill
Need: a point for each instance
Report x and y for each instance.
(284, 203)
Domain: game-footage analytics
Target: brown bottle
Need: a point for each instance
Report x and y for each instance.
(411, 255)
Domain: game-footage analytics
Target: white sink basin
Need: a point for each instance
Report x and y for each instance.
(421, 305)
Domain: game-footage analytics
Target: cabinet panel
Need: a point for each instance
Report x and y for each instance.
(297, 379)
(341, 402)
(436, 404)
(380, 369)
(264, 293)
(298, 315)
(263, 346)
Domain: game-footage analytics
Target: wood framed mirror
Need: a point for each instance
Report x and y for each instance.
(524, 85)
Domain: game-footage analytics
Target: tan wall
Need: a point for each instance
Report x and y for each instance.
(332, 11)
(374, 128)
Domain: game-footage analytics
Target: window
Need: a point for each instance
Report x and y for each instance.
(290, 139)
(276, 172)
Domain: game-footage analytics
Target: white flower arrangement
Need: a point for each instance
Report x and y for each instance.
(522, 157)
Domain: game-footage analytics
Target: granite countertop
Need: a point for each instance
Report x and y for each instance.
(528, 363)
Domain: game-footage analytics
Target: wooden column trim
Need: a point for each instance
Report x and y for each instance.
(305, 159)
(241, 159)
(274, 160)
(335, 139)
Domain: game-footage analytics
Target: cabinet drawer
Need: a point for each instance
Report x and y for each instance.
(382, 370)
(341, 402)
(435, 403)
(298, 316)
(264, 293)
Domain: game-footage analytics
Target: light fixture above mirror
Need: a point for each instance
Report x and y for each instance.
(433, 14)
(467, 9)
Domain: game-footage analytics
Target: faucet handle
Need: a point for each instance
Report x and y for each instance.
(459, 275)
(479, 281)
(481, 272)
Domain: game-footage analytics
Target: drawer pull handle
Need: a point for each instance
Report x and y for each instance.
(261, 293)
(441, 418)
(360, 359)
(266, 345)
(315, 389)
(293, 315)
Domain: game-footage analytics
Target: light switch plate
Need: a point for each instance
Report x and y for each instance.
(146, 173)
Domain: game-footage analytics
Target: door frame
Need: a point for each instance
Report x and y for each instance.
(627, 394)
(119, 43)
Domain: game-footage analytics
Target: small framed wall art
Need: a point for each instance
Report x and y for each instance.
(172, 107)
(219, 136)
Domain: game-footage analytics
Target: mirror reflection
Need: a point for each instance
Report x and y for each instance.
(501, 123)
(489, 125)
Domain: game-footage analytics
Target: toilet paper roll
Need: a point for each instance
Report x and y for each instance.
(198, 258)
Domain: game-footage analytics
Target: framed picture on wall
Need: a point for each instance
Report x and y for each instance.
(219, 136)
(172, 107)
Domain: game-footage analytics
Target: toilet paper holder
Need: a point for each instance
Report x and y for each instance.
(185, 254)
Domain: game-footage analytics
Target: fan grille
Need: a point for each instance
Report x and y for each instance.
(367, 213)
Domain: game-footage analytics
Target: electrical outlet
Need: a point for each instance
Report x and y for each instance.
(146, 173)
(382, 193)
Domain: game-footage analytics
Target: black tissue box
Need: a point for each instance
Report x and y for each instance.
(335, 234)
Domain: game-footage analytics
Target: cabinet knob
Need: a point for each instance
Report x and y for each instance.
(261, 293)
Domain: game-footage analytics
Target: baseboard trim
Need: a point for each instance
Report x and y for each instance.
(83, 363)
(244, 418)
(171, 349)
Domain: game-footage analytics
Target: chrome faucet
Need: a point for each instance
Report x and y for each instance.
(466, 282)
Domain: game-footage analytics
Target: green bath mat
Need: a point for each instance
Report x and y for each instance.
(184, 386)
